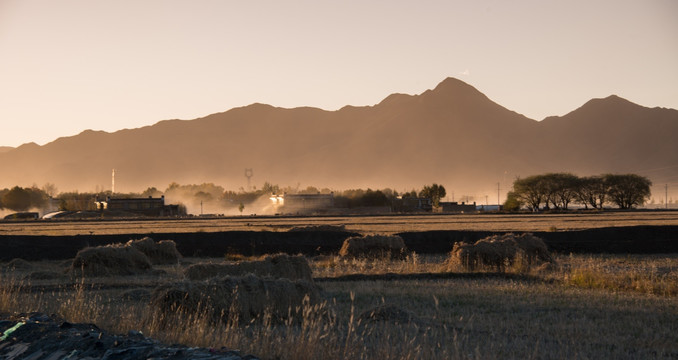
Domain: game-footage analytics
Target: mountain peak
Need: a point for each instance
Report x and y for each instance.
(455, 88)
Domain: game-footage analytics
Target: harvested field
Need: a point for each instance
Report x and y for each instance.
(398, 309)
(361, 224)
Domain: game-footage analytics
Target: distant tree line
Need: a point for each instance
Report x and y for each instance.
(557, 191)
(23, 199)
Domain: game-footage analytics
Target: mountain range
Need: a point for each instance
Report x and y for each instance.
(452, 135)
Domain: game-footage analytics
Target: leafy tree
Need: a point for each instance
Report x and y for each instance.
(628, 190)
(17, 199)
(513, 202)
(241, 207)
(374, 198)
(531, 191)
(50, 189)
(592, 190)
(434, 192)
(561, 189)
(152, 192)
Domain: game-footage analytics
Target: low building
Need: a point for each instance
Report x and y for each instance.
(455, 207)
(412, 204)
(149, 206)
(302, 203)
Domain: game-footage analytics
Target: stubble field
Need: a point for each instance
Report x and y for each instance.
(585, 307)
(361, 224)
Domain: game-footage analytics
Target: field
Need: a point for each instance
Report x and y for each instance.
(361, 224)
(586, 306)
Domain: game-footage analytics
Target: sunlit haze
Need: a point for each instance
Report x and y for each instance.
(67, 66)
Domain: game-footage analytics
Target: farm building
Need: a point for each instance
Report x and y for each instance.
(293, 203)
(149, 206)
(412, 204)
(458, 208)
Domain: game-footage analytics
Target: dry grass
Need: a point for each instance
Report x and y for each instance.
(542, 314)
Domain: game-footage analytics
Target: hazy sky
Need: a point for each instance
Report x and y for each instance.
(67, 66)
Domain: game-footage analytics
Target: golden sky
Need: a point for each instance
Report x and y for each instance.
(71, 65)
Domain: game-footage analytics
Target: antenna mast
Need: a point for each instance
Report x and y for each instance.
(248, 174)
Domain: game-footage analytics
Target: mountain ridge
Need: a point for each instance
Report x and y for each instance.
(452, 134)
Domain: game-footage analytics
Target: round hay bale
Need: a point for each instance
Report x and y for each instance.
(274, 266)
(373, 246)
(236, 299)
(159, 253)
(110, 260)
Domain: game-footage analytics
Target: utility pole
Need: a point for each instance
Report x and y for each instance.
(113, 182)
(666, 194)
(498, 203)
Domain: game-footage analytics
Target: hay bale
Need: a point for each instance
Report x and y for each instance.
(110, 260)
(18, 265)
(275, 266)
(501, 251)
(235, 299)
(374, 246)
(535, 248)
(159, 253)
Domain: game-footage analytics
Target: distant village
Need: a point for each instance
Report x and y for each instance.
(537, 193)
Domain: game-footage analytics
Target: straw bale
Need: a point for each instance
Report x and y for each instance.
(534, 247)
(18, 265)
(374, 246)
(274, 266)
(159, 253)
(500, 251)
(110, 260)
(236, 299)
